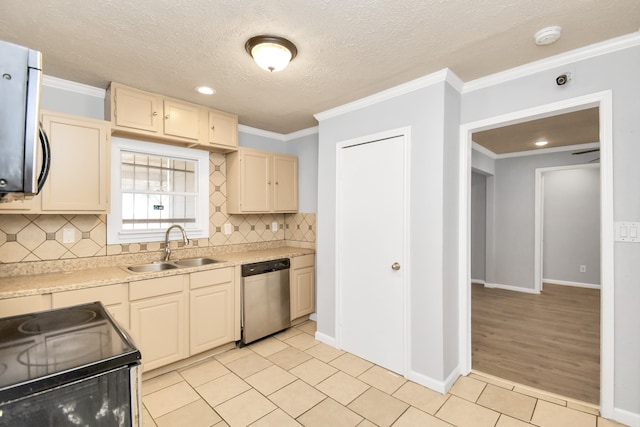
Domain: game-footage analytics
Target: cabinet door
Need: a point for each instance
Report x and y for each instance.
(24, 305)
(113, 297)
(136, 109)
(211, 317)
(285, 189)
(159, 329)
(303, 292)
(180, 120)
(223, 129)
(255, 181)
(79, 176)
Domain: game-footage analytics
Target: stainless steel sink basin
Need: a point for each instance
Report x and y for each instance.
(195, 262)
(156, 266)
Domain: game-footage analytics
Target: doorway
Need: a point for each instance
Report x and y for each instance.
(603, 101)
(372, 230)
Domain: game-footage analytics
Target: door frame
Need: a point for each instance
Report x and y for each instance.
(603, 100)
(405, 133)
(539, 218)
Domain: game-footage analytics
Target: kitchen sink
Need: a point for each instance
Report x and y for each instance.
(195, 262)
(156, 266)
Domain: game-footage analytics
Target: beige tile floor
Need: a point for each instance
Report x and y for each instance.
(291, 379)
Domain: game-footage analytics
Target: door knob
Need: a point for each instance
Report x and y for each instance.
(395, 266)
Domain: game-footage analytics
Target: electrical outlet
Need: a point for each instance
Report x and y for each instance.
(227, 229)
(274, 226)
(583, 269)
(68, 235)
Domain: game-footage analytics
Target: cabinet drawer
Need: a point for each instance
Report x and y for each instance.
(108, 295)
(155, 287)
(22, 305)
(303, 261)
(211, 277)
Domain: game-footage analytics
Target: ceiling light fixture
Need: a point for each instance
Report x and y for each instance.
(205, 90)
(542, 143)
(548, 35)
(271, 53)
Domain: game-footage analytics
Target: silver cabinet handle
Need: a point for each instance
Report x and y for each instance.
(395, 266)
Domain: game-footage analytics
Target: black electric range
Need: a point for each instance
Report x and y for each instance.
(65, 365)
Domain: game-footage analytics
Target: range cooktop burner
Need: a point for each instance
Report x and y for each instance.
(48, 322)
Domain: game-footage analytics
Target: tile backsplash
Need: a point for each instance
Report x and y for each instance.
(25, 238)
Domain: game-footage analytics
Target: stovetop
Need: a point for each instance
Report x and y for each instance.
(47, 349)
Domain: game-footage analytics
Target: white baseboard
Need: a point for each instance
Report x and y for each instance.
(511, 288)
(568, 283)
(477, 281)
(626, 417)
(314, 317)
(441, 387)
(326, 339)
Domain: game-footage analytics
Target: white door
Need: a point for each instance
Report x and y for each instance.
(371, 245)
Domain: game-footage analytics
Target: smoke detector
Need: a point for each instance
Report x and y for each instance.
(548, 35)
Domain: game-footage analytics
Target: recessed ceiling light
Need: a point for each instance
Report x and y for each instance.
(541, 143)
(205, 90)
(548, 35)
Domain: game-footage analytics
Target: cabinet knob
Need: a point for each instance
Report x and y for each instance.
(155, 113)
(276, 182)
(269, 182)
(166, 117)
(395, 266)
(213, 127)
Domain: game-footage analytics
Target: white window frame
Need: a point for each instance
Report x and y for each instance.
(197, 230)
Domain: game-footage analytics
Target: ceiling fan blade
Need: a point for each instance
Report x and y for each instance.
(586, 151)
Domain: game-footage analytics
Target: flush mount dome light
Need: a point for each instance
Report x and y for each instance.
(206, 90)
(271, 53)
(548, 35)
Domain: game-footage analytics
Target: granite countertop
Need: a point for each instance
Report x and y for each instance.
(36, 284)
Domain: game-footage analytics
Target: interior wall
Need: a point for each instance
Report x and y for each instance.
(571, 225)
(423, 110)
(593, 75)
(478, 226)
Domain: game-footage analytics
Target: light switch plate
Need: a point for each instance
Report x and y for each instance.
(227, 229)
(627, 231)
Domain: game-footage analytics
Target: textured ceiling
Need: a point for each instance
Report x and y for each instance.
(578, 127)
(347, 49)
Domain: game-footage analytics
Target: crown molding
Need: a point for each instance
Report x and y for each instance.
(68, 85)
(278, 136)
(587, 52)
(444, 75)
(479, 148)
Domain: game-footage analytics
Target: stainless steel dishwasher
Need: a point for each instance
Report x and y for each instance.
(265, 299)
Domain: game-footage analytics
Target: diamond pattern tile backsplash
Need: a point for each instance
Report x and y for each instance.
(40, 237)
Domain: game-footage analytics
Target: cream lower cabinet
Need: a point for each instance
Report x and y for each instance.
(302, 285)
(211, 309)
(113, 297)
(24, 305)
(158, 319)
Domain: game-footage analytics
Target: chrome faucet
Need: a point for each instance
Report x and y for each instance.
(167, 249)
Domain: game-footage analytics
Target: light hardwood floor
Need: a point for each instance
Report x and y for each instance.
(549, 341)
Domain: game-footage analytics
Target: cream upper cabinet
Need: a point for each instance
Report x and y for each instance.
(158, 319)
(211, 309)
(148, 116)
(302, 285)
(78, 179)
(222, 130)
(260, 181)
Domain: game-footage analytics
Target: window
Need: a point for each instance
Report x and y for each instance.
(154, 186)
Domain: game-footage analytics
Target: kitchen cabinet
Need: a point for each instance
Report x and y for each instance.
(113, 297)
(148, 116)
(158, 319)
(78, 180)
(23, 305)
(302, 285)
(260, 181)
(211, 309)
